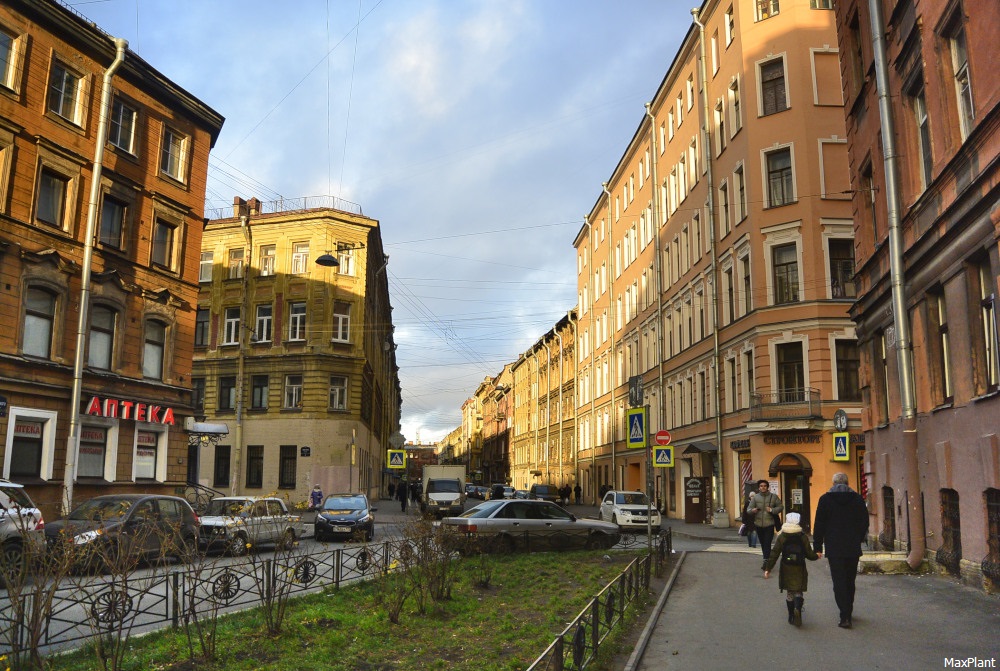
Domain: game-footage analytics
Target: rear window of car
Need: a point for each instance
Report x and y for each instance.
(171, 510)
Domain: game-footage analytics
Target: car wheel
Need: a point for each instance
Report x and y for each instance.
(287, 540)
(13, 561)
(238, 545)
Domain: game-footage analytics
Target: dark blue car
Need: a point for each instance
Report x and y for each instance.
(345, 516)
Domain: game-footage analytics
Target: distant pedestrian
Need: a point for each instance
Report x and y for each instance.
(765, 506)
(564, 493)
(316, 497)
(402, 495)
(842, 525)
(577, 493)
(749, 530)
(392, 490)
(792, 548)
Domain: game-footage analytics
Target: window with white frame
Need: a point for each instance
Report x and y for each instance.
(30, 443)
(267, 266)
(790, 370)
(918, 106)
(730, 300)
(164, 239)
(39, 322)
(767, 8)
(65, 95)
(150, 453)
(724, 225)
(293, 391)
(785, 273)
(341, 321)
(848, 367)
(338, 392)
(113, 213)
(173, 153)
(264, 323)
(749, 386)
(205, 265)
(260, 387)
(689, 91)
(715, 53)
(235, 270)
(231, 327)
(960, 71)
(101, 345)
(939, 341)
(720, 127)
(201, 322)
(985, 342)
(92, 451)
(772, 87)
(121, 127)
(300, 258)
(735, 107)
(227, 392)
(820, 4)
(679, 106)
(11, 50)
(746, 300)
(780, 185)
(841, 252)
(153, 349)
(730, 26)
(740, 182)
(345, 255)
(296, 321)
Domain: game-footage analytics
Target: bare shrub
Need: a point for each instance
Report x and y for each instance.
(276, 577)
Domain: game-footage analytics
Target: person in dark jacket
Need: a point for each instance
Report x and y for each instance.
(402, 494)
(841, 526)
(765, 505)
(792, 548)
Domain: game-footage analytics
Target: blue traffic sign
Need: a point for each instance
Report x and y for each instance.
(663, 457)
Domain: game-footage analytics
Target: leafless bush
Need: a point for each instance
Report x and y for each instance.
(274, 579)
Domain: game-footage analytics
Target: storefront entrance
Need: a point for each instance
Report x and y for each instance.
(795, 496)
(695, 499)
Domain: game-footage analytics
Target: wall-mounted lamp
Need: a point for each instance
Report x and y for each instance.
(327, 260)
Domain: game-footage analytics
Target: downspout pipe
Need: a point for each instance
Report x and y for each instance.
(904, 348)
(548, 407)
(592, 429)
(612, 355)
(574, 327)
(73, 440)
(650, 494)
(538, 412)
(562, 473)
(720, 517)
(241, 353)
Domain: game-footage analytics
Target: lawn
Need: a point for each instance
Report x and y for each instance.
(505, 626)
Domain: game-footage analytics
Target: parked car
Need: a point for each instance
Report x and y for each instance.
(498, 490)
(482, 493)
(126, 527)
(235, 524)
(345, 516)
(470, 489)
(22, 529)
(520, 493)
(628, 510)
(507, 525)
(544, 493)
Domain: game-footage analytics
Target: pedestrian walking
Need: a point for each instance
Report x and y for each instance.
(402, 495)
(392, 490)
(749, 529)
(765, 506)
(577, 493)
(316, 497)
(841, 526)
(792, 548)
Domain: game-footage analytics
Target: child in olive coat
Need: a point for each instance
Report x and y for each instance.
(792, 546)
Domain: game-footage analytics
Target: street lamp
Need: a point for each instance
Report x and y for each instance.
(327, 260)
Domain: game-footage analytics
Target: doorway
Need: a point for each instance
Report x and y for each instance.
(695, 493)
(795, 495)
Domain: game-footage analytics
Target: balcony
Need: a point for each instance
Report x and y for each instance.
(788, 404)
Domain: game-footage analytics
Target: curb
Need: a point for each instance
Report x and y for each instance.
(647, 632)
(712, 539)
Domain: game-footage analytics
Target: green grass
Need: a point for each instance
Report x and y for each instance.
(531, 599)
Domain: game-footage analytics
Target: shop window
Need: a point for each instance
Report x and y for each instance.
(26, 449)
(255, 466)
(147, 454)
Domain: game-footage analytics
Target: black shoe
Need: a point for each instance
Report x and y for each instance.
(763, 565)
(797, 604)
(845, 623)
(791, 611)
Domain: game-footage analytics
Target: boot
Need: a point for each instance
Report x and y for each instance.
(791, 612)
(797, 604)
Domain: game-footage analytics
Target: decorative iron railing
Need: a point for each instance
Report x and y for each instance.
(789, 404)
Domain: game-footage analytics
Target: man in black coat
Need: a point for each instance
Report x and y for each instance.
(841, 525)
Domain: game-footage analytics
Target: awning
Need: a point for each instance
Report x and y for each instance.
(698, 446)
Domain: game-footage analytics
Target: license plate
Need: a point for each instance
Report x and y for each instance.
(342, 530)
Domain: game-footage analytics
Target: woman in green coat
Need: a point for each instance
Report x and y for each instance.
(792, 547)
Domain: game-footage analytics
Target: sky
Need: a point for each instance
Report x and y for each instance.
(477, 132)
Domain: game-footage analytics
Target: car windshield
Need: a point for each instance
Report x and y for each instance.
(344, 503)
(482, 510)
(631, 498)
(442, 487)
(227, 508)
(101, 509)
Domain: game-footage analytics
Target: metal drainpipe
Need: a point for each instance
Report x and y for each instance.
(562, 474)
(593, 364)
(241, 353)
(538, 414)
(659, 320)
(72, 441)
(548, 407)
(720, 517)
(914, 495)
(611, 346)
(576, 377)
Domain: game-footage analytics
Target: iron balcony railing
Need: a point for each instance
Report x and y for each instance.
(801, 403)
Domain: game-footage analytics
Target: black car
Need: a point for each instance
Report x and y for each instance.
(544, 493)
(116, 531)
(345, 516)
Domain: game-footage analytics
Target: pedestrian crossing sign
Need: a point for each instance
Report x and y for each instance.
(396, 458)
(637, 427)
(663, 457)
(841, 451)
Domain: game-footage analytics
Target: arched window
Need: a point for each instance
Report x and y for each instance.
(39, 315)
(153, 349)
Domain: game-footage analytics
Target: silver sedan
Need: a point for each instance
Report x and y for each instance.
(507, 525)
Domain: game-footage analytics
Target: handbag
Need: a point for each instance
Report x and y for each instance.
(743, 530)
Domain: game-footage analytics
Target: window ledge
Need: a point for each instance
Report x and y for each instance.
(988, 395)
(944, 406)
(291, 410)
(256, 411)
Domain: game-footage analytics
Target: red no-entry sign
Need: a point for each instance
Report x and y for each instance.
(662, 437)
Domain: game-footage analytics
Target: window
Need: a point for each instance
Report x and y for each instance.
(65, 92)
(235, 264)
(882, 378)
(791, 374)
(93, 447)
(266, 260)
(342, 321)
(730, 26)
(848, 364)
(918, 105)
(231, 327)
(255, 466)
(52, 190)
(205, 266)
(745, 273)
(766, 9)
(735, 106)
(345, 255)
(11, 48)
(27, 448)
(715, 53)
(112, 222)
(121, 130)
(102, 337)
(154, 345)
(222, 461)
(949, 555)
(842, 268)
(264, 324)
(147, 444)
(820, 4)
(201, 318)
(779, 178)
(724, 209)
(338, 392)
(39, 319)
(856, 63)
(173, 154)
(772, 87)
(741, 193)
(786, 274)
(869, 197)
(990, 372)
(679, 106)
(227, 392)
(259, 387)
(689, 89)
(198, 394)
(297, 321)
(163, 244)
(286, 467)
(940, 347)
(730, 302)
(720, 126)
(300, 258)
(293, 391)
(960, 70)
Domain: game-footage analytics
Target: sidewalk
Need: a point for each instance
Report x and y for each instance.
(719, 612)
